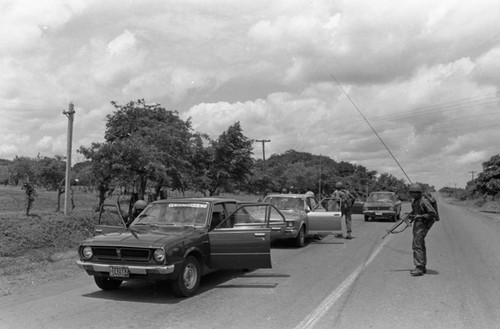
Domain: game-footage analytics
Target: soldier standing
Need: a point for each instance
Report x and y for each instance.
(345, 201)
(424, 218)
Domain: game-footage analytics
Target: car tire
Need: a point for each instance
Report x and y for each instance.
(300, 240)
(367, 218)
(189, 277)
(107, 283)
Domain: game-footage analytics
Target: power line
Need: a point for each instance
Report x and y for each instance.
(387, 148)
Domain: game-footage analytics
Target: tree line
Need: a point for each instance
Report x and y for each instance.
(485, 187)
(148, 149)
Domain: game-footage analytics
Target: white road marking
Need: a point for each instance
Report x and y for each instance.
(327, 303)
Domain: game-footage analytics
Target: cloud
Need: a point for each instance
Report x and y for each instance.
(425, 75)
(472, 157)
(24, 22)
(487, 70)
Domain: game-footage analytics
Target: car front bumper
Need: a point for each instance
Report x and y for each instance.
(134, 270)
(291, 232)
(379, 214)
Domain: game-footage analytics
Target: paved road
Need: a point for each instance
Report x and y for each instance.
(333, 283)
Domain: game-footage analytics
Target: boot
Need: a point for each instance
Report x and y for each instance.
(417, 272)
(348, 236)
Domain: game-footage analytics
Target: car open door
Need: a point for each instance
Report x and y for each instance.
(324, 222)
(260, 215)
(110, 220)
(241, 245)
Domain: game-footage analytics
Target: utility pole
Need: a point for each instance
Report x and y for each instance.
(320, 173)
(263, 141)
(69, 114)
(472, 172)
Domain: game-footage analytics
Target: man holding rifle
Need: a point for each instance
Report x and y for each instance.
(424, 216)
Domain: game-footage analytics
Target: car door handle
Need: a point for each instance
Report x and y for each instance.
(98, 231)
(259, 235)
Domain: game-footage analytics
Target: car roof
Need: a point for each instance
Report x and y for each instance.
(198, 199)
(290, 195)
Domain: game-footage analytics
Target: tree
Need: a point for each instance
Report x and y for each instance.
(83, 172)
(487, 182)
(144, 143)
(231, 161)
(31, 194)
(201, 159)
(51, 171)
(23, 169)
(4, 171)
(51, 175)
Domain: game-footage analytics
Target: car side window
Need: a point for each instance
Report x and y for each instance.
(218, 216)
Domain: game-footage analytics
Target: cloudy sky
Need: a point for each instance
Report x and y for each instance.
(425, 74)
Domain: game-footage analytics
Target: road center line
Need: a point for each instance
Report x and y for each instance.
(327, 303)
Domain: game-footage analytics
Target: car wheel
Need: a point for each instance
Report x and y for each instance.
(367, 218)
(107, 283)
(300, 240)
(188, 280)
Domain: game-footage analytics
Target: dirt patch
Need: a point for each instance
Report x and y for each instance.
(36, 268)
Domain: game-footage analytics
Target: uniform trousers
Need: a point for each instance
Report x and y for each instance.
(420, 229)
(347, 213)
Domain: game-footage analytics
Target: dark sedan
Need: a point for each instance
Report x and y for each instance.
(176, 241)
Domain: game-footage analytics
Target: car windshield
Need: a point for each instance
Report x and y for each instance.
(256, 214)
(174, 213)
(382, 197)
(284, 203)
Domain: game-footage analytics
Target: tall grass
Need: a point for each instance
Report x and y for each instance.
(46, 228)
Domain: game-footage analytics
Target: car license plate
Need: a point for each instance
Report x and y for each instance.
(118, 271)
(378, 213)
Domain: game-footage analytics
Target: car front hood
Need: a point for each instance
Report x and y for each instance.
(292, 214)
(139, 238)
(378, 204)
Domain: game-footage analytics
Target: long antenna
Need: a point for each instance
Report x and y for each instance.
(387, 148)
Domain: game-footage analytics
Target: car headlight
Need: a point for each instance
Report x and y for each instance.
(159, 255)
(290, 223)
(391, 208)
(87, 253)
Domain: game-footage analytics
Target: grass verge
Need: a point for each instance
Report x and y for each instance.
(40, 248)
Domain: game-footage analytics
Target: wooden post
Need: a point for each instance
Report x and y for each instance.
(67, 195)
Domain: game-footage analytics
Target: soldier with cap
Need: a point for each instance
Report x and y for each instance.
(424, 217)
(345, 200)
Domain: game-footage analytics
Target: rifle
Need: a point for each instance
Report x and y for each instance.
(407, 219)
